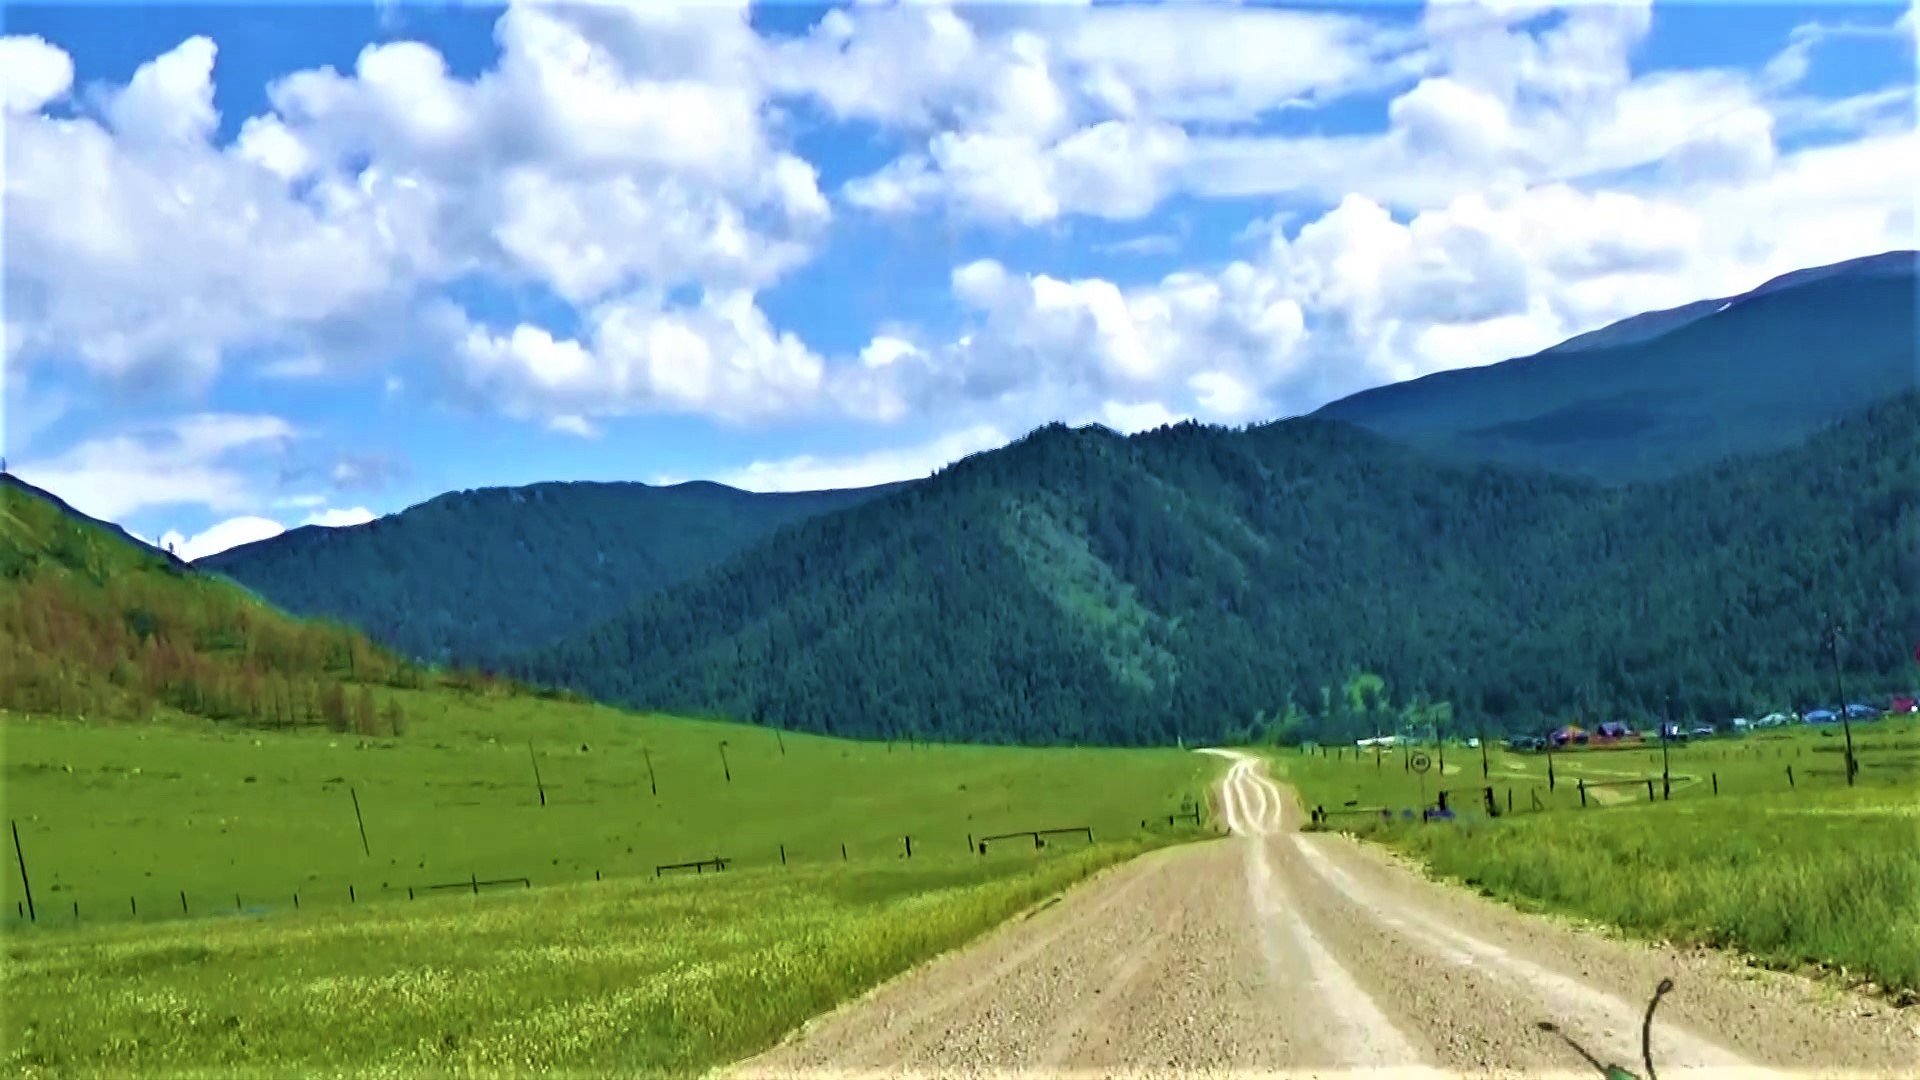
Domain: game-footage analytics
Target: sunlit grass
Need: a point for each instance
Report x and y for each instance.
(1795, 873)
(636, 977)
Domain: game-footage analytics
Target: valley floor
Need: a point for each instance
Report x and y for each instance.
(1309, 952)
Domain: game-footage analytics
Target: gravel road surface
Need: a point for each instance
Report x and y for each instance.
(1278, 952)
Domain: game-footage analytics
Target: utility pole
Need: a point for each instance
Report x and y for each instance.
(1846, 722)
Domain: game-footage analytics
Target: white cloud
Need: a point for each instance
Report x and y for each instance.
(217, 538)
(720, 357)
(338, 519)
(195, 460)
(32, 73)
(608, 152)
(248, 529)
(809, 472)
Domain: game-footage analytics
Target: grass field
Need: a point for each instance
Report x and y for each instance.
(631, 977)
(122, 819)
(1807, 872)
(673, 973)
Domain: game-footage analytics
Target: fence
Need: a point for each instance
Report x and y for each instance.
(1589, 779)
(183, 902)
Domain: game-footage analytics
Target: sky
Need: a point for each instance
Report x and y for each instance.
(280, 264)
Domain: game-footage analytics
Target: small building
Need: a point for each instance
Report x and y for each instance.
(1614, 729)
(1571, 734)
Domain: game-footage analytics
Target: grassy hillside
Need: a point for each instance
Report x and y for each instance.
(450, 580)
(93, 623)
(1661, 393)
(1207, 583)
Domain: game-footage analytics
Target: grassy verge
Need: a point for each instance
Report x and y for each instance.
(1815, 874)
(668, 977)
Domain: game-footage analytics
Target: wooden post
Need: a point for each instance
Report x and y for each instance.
(134, 907)
(1583, 790)
(1790, 776)
(21, 854)
(1549, 770)
(1649, 789)
(1509, 800)
(236, 901)
(183, 901)
(535, 758)
(909, 841)
(296, 901)
(1716, 783)
(783, 861)
(843, 851)
(474, 877)
(362, 822)
(351, 898)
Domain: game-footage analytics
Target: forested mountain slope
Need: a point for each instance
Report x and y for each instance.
(95, 624)
(1661, 393)
(1192, 581)
(474, 575)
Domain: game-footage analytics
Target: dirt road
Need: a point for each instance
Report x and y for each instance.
(1281, 952)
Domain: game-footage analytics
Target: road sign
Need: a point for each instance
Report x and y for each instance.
(1421, 762)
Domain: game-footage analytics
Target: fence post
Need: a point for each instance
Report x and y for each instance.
(909, 841)
(1583, 791)
(133, 907)
(1649, 789)
(351, 898)
(843, 851)
(596, 874)
(1790, 776)
(296, 901)
(236, 901)
(1509, 800)
(183, 901)
(1716, 783)
(783, 861)
(474, 877)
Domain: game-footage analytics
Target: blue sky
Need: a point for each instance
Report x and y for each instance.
(274, 264)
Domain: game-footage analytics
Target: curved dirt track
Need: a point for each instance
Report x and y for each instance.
(1277, 952)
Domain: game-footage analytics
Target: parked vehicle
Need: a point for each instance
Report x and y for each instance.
(1775, 719)
(1904, 703)
(1861, 712)
(1704, 731)
(1821, 716)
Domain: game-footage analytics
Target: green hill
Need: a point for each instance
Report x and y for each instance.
(452, 578)
(96, 624)
(1660, 393)
(1200, 582)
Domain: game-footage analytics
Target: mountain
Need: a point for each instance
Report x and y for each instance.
(97, 624)
(1657, 394)
(474, 575)
(1082, 587)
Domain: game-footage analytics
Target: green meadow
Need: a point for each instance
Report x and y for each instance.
(1800, 872)
(660, 973)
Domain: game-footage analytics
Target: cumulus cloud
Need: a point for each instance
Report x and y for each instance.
(248, 529)
(202, 459)
(809, 472)
(607, 152)
(32, 73)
